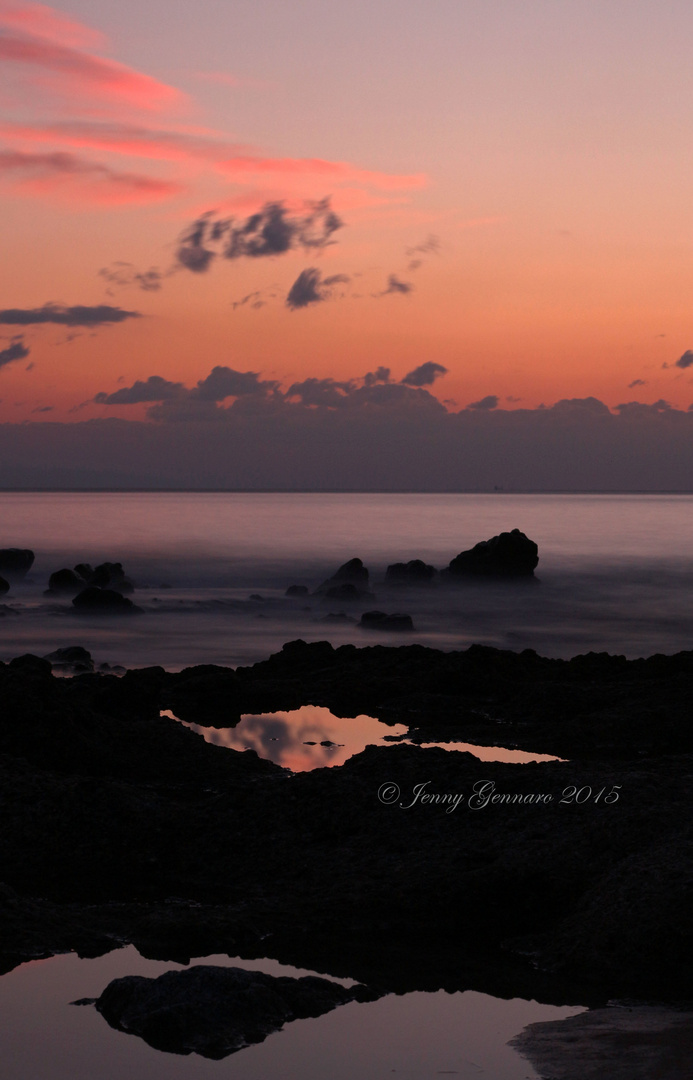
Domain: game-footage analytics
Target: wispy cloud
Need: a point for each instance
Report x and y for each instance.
(311, 288)
(40, 37)
(17, 350)
(60, 314)
(67, 176)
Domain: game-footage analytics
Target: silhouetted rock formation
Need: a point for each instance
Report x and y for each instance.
(511, 554)
(64, 582)
(378, 620)
(108, 601)
(297, 590)
(207, 694)
(414, 572)
(4, 586)
(72, 658)
(215, 1011)
(107, 575)
(109, 809)
(350, 581)
(15, 562)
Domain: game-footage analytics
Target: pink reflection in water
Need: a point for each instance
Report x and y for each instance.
(312, 737)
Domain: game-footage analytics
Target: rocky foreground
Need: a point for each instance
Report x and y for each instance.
(408, 867)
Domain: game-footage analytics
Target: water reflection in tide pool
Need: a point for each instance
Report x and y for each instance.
(312, 737)
(418, 1035)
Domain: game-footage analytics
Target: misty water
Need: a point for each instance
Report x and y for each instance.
(615, 572)
(211, 572)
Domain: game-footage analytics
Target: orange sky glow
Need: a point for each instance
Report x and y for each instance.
(520, 219)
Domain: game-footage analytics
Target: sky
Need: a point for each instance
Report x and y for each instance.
(267, 217)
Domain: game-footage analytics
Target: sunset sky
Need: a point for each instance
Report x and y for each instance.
(491, 199)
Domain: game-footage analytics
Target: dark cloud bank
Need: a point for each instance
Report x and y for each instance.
(235, 430)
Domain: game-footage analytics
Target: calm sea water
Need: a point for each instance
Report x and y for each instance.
(615, 572)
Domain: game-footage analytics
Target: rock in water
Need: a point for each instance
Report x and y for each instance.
(511, 554)
(414, 572)
(214, 1011)
(71, 658)
(4, 586)
(15, 562)
(65, 582)
(352, 573)
(104, 600)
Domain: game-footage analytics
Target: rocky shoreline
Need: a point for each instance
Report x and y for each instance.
(407, 867)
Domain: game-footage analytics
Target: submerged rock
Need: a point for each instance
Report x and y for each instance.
(104, 600)
(510, 554)
(215, 1011)
(297, 590)
(16, 562)
(414, 572)
(378, 620)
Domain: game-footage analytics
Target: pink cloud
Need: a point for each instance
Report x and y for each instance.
(131, 139)
(338, 171)
(73, 178)
(84, 73)
(43, 21)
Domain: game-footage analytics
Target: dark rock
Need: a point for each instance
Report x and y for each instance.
(71, 658)
(511, 554)
(215, 1011)
(338, 617)
(4, 586)
(108, 601)
(353, 574)
(31, 665)
(255, 596)
(378, 620)
(110, 575)
(207, 694)
(415, 572)
(64, 581)
(15, 562)
(297, 590)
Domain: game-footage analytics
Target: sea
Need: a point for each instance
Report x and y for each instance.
(211, 571)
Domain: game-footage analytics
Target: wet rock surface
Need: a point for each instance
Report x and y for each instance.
(215, 1011)
(405, 868)
(629, 1042)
